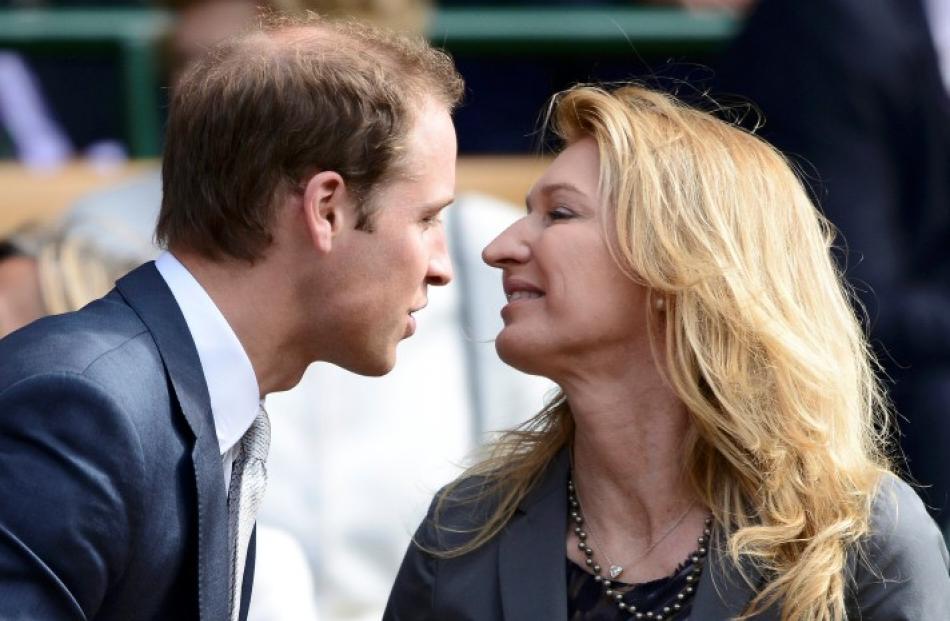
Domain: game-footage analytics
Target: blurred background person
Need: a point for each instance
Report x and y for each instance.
(20, 302)
(52, 268)
(32, 135)
(858, 91)
(52, 109)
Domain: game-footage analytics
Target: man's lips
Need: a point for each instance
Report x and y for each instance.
(411, 320)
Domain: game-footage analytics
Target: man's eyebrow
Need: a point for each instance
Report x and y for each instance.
(440, 204)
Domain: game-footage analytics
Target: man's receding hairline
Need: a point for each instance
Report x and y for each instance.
(314, 37)
(277, 40)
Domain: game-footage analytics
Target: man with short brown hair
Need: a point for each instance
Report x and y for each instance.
(306, 167)
(344, 100)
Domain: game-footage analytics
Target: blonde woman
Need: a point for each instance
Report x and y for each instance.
(717, 450)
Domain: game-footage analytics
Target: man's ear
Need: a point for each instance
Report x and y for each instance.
(327, 208)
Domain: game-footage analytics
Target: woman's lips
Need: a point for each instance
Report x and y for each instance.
(523, 295)
(516, 299)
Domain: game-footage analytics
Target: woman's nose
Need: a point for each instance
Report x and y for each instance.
(509, 247)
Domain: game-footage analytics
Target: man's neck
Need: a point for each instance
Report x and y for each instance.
(255, 303)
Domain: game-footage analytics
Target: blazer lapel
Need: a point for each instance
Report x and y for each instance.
(531, 555)
(722, 593)
(146, 292)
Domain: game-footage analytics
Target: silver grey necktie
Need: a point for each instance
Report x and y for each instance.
(248, 481)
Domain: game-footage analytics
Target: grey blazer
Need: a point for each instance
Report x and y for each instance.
(520, 574)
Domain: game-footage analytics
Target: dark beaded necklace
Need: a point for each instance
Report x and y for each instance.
(674, 606)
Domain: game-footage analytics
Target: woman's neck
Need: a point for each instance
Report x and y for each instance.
(628, 469)
(628, 446)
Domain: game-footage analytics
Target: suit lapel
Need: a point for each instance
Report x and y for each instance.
(248, 583)
(146, 292)
(531, 554)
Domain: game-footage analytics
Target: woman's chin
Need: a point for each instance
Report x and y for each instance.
(520, 353)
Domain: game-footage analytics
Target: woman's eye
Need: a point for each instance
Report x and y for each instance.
(560, 213)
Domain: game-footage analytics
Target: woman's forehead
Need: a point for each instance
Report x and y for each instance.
(575, 169)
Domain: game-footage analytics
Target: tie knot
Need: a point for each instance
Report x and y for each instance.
(256, 440)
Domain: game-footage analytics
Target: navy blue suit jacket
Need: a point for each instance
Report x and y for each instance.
(114, 503)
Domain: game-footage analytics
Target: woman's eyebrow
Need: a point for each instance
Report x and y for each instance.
(550, 188)
(561, 185)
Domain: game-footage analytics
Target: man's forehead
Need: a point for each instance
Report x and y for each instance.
(433, 132)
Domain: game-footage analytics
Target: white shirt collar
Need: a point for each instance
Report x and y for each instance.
(232, 385)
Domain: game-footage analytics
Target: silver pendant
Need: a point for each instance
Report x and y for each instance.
(615, 570)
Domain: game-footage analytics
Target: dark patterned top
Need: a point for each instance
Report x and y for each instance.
(586, 600)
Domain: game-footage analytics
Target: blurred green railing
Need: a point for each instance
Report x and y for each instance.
(556, 31)
(133, 34)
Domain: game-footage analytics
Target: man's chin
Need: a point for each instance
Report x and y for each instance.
(373, 366)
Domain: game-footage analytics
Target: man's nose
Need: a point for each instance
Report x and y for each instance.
(440, 264)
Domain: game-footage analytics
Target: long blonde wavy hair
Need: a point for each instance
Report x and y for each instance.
(788, 420)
